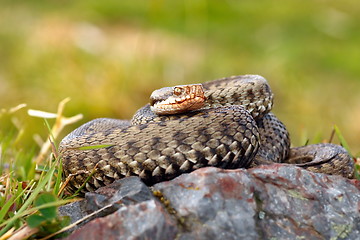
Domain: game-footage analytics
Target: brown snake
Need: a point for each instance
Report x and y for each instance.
(223, 123)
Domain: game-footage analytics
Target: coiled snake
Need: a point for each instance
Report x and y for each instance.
(223, 123)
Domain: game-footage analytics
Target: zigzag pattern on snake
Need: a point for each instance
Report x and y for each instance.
(233, 129)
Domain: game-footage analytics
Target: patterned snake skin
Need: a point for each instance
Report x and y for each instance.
(233, 129)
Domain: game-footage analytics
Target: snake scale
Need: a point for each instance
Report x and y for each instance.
(228, 126)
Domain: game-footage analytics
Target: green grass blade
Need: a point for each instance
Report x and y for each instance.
(11, 201)
(35, 209)
(86, 180)
(40, 186)
(342, 139)
(95, 147)
(52, 138)
(58, 177)
(5, 208)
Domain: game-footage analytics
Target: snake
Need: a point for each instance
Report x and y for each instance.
(225, 123)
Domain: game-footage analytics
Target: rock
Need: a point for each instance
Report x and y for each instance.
(276, 201)
(108, 199)
(75, 210)
(125, 191)
(146, 220)
(268, 202)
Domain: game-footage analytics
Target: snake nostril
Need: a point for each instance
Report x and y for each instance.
(152, 101)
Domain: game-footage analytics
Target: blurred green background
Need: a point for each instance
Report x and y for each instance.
(108, 56)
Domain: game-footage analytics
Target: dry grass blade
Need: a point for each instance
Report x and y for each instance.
(60, 123)
(23, 233)
(76, 223)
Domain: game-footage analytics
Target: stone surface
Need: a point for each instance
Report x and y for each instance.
(75, 211)
(108, 199)
(269, 202)
(146, 220)
(125, 191)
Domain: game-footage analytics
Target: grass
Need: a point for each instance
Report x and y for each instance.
(31, 183)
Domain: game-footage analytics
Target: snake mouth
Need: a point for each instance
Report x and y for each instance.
(160, 95)
(178, 99)
(175, 106)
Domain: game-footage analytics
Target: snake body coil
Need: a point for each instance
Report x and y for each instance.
(234, 128)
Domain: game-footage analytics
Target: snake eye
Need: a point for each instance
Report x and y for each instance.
(178, 91)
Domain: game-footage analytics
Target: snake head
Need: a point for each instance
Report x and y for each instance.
(178, 99)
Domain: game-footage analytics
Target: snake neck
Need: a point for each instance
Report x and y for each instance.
(250, 91)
